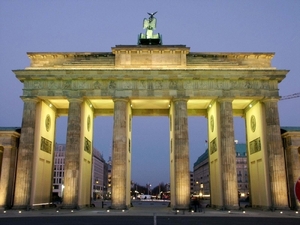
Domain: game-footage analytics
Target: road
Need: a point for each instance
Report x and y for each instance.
(146, 213)
(146, 220)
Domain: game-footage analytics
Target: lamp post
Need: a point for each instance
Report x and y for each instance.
(149, 186)
(197, 183)
(201, 187)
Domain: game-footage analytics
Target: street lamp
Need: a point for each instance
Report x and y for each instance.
(201, 187)
(149, 186)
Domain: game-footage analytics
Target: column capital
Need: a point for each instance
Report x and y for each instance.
(265, 100)
(9, 147)
(220, 100)
(30, 99)
(121, 99)
(180, 99)
(75, 100)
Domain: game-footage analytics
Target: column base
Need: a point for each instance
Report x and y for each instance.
(5, 207)
(24, 207)
(77, 207)
(118, 207)
(182, 207)
(226, 207)
(71, 206)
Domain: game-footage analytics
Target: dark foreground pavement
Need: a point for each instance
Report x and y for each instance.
(146, 212)
(146, 220)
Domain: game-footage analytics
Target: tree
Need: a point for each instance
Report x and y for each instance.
(159, 188)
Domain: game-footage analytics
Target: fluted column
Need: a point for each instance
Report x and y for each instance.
(72, 158)
(25, 155)
(228, 155)
(8, 169)
(275, 156)
(293, 167)
(119, 154)
(181, 155)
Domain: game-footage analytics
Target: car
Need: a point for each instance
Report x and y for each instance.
(145, 197)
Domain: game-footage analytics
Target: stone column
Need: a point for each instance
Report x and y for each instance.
(181, 155)
(119, 155)
(72, 158)
(8, 169)
(292, 152)
(275, 156)
(25, 155)
(228, 155)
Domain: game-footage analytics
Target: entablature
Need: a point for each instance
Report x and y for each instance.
(153, 74)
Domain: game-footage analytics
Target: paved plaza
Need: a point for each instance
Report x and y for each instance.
(147, 212)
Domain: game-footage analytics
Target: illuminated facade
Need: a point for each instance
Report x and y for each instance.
(99, 173)
(166, 80)
(59, 169)
(201, 173)
(291, 144)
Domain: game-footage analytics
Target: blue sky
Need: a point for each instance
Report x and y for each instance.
(93, 26)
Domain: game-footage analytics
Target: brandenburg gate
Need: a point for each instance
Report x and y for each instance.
(150, 80)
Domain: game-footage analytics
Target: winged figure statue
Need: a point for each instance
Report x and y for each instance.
(150, 25)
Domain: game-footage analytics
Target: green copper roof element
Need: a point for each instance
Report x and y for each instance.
(17, 129)
(240, 149)
(149, 38)
(201, 158)
(287, 129)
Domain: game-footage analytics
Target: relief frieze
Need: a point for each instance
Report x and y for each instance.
(127, 84)
(87, 145)
(150, 85)
(173, 84)
(202, 84)
(142, 84)
(53, 84)
(245, 84)
(213, 146)
(96, 85)
(158, 84)
(67, 84)
(81, 84)
(255, 146)
(220, 84)
(112, 84)
(189, 84)
(234, 84)
(46, 145)
(265, 85)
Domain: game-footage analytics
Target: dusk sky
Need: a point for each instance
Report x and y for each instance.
(96, 26)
